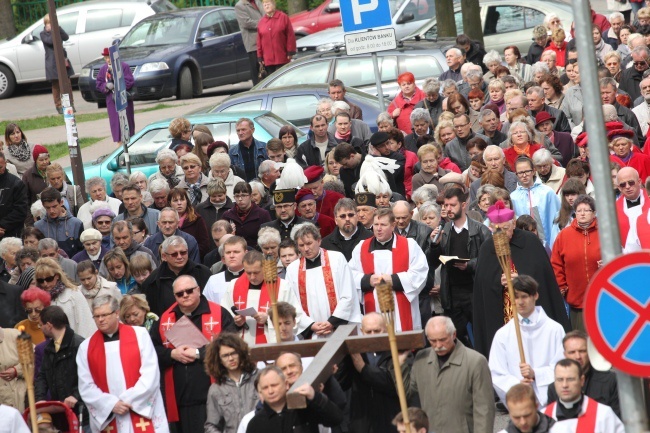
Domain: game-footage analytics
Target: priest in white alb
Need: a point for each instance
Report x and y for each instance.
(119, 379)
(250, 291)
(394, 259)
(323, 282)
(541, 339)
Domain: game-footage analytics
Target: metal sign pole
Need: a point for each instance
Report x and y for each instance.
(121, 101)
(380, 90)
(630, 389)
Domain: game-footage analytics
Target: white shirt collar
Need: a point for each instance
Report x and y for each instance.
(464, 227)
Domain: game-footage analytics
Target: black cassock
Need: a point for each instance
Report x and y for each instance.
(530, 258)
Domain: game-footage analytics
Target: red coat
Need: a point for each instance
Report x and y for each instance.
(560, 53)
(411, 160)
(447, 164)
(639, 161)
(275, 39)
(325, 206)
(601, 21)
(406, 108)
(325, 224)
(511, 154)
(575, 257)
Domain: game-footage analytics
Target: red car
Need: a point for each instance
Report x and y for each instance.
(323, 17)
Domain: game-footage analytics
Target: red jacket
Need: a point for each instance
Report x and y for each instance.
(275, 39)
(639, 161)
(447, 164)
(411, 160)
(559, 51)
(511, 154)
(575, 257)
(601, 21)
(404, 119)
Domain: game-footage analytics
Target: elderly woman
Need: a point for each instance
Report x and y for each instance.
(246, 215)
(577, 247)
(276, 41)
(190, 221)
(17, 150)
(430, 172)
(612, 61)
(492, 60)
(220, 168)
(515, 64)
(538, 70)
(72, 197)
(482, 202)
(384, 122)
(12, 383)
(168, 168)
(51, 278)
(259, 194)
(269, 240)
(553, 90)
(34, 178)
(9, 271)
(135, 311)
(181, 132)
(404, 103)
(550, 174)
(550, 58)
(625, 157)
(26, 258)
(194, 181)
(521, 141)
(93, 284)
(289, 140)
(457, 104)
(497, 91)
(139, 179)
(430, 214)
(449, 87)
(422, 125)
(34, 300)
(324, 108)
(432, 101)
(558, 45)
(102, 219)
(623, 35)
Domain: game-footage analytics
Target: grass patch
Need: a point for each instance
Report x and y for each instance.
(51, 121)
(59, 150)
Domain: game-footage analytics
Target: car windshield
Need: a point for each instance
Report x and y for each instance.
(160, 31)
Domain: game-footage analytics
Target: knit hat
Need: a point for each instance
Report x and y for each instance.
(90, 235)
(38, 151)
(103, 212)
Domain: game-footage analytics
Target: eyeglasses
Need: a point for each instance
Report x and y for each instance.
(642, 63)
(461, 126)
(584, 211)
(229, 355)
(241, 196)
(139, 231)
(347, 215)
(628, 183)
(519, 132)
(102, 316)
(190, 167)
(103, 222)
(188, 292)
(178, 253)
(525, 173)
(33, 310)
(46, 279)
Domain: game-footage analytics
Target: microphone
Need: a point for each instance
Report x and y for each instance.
(437, 236)
(234, 311)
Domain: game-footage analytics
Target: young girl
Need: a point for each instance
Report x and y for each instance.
(93, 285)
(118, 270)
(140, 268)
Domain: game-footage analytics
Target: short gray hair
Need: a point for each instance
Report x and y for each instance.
(47, 244)
(449, 325)
(615, 15)
(340, 105)
(429, 207)
(420, 114)
(37, 209)
(608, 81)
(542, 156)
(448, 83)
(536, 90)
(6, 243)
(493, 148)
(492, 56)
(304, 229)
(485, 189)
(431, 85)
(136, 175)
(474, 75)
(267, 235)
(425, 193)
(215, 185)
(642, 50)
(101, 300)
(219, 160)
(518, 124)
(609, 113)
(327, 101)
(158, 185)
(265, 166)
(455, 50)
(345, 203)
(173, 241)
(259, 187)
(95, 180)
(119, 179)
(170, 209)
(384, 117)
(485, 112)
(539, 67)
(166, 154)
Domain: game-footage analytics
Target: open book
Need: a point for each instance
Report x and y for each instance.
(452, 260)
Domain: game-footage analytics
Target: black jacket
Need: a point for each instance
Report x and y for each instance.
(158, 286)
(396, 179)
(335, 242)
(308, 154)
(58, 373)
(561, 122)
(475, 55)
(628, 117)
(420, 233)
(13, 204)
(630, 80)
(11, 309)
(210, 214)
(478, 233)
(543, 426)
(599, 385)
(320, 410)
(498, 138)
(435, 108)
(285, 232)
(535, 52)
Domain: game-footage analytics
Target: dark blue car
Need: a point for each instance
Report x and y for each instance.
(178, 54)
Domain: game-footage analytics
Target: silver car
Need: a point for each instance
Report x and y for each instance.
(91, 26)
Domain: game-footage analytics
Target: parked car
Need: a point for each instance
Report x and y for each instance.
(297, 104)
(505, 22)
(423, 59)
(144, 146)
(326, 15)
(178, 53)
(91, 25)
(407, 16)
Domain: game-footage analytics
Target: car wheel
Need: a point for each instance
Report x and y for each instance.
(185, 84)
(7, 82)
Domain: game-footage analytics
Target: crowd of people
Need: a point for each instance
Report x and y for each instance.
(144, 304)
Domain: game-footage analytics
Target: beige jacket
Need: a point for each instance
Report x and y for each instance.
(12, 393)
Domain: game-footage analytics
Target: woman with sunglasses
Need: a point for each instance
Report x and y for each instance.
(34, 300)
(51, 278)
(190, 221)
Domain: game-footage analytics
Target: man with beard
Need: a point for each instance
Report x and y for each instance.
(350, 230)
(642, 111)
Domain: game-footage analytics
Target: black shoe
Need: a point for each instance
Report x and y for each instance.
(59, 110)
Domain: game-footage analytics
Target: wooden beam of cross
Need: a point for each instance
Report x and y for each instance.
(330, 351)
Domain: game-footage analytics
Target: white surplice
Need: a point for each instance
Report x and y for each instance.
(217, 285)
(606, 420)
(542, 342)
(413, 280)
(285, 294)
(144, 397)
(347, 303)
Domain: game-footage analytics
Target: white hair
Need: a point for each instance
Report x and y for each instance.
(158, 185)
(6, 243)
(219, 160)
(38, 210)
(166, 154)
(609, 113)
(493, 148)
(340, 105)
(539, 67)
(492, 56)
(614, 15)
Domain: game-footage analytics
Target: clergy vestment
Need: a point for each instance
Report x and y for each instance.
(542, 341)
(404, 260)
(217, 285)
(594, 417)
(121, 367)
(241, 295)
(325, 287)
(633, 222)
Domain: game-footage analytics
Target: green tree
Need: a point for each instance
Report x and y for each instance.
(472, 20)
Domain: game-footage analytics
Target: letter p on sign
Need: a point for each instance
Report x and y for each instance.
(362, 15)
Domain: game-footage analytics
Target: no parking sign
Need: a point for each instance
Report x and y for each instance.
(617, 313)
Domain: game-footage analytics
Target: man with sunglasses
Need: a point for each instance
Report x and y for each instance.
(184, 376)
(175, 262)
(632, 208)
(631, 77)
(350, 230)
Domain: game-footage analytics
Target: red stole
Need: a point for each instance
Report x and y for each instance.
(327, 279)
(240, 298)
(400, 255)
(210, 327)
(131, 363)
(642, 225)
(586, 421)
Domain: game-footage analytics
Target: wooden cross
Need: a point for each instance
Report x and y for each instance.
(143, 424)
(330, 351)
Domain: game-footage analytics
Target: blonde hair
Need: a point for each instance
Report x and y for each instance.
(426, 149)
(178, 125)
(643, 13)
(46, 19)
(190, 157)
(612, 54)
(442, 125)
(129, 301)
(558, 34)
(496, 83)
(53, 168)
(46, 266)
(512, 93)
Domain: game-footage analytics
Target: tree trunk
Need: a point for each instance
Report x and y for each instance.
(295, 6)
(445, 19)
(472, 20)
(7, 27)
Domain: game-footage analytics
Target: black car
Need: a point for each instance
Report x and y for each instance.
(297, 104)
(178, 53)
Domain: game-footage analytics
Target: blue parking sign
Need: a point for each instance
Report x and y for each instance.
(364, 14)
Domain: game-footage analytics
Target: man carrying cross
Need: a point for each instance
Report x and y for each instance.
(118, 377)
(185, 379)
(251, 291)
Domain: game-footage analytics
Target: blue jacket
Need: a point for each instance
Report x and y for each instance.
(237, 159)
(66, 230)
(153, 242)
(150, 218)
(541, 203)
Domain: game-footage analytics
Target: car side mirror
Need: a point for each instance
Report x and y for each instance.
(28, 39)
(114, 165)
(405, 18)
(332, 7)
(205, 35)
